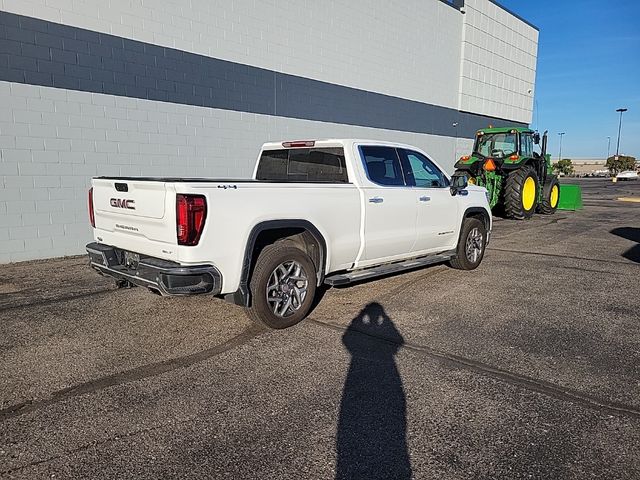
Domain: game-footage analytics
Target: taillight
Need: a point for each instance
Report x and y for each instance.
(92, 217)
(299, 144)
(191, 211)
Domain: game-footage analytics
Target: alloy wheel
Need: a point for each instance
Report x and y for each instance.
(474, 245)
(287, 288)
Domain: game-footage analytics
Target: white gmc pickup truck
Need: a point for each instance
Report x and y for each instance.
(315, 212)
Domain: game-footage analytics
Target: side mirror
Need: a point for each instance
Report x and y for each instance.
(536, 138)
(458, 183)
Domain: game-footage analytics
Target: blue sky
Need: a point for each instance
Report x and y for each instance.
(588, 66)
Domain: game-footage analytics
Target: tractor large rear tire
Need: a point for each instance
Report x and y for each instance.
(521, 193)
(550, 196)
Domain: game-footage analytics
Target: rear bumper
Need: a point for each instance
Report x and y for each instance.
(161, 276)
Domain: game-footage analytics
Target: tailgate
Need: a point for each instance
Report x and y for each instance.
(129, 198)
(130, 213)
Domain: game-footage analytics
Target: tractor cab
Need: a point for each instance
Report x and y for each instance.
(517, 177)
(498, 145)
(503, 149)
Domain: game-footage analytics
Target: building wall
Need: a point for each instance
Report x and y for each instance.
(388, 47)
(161, 88)
(499, 53)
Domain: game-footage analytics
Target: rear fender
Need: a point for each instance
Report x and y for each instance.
(242, 296)
(469, 164)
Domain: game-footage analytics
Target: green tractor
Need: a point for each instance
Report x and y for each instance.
(519, 180)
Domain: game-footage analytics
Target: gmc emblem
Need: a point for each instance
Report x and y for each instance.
(122, 203)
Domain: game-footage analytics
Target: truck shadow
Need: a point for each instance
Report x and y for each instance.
(371, 439)
(633, 234)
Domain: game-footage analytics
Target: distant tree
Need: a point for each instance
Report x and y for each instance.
(564, 166)
(620, 163)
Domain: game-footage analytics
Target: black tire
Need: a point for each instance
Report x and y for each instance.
(514, 204)
(550, 202)
(463, 260)
(261, 310)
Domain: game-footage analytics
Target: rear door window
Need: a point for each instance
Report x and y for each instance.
(314, 165)
(382, 165)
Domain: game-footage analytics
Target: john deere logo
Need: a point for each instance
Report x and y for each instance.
(122, 203)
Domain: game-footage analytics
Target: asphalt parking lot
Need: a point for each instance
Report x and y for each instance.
(528, 367)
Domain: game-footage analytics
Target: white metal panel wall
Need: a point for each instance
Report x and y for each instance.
(404, 48)
(498, 63)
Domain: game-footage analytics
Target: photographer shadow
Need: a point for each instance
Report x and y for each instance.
(371, 439)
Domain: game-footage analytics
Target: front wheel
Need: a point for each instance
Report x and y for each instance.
(283, 286)
(471, 245)
(550, 196)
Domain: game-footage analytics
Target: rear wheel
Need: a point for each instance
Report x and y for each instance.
(521, 193)
(283, 286)
(550, 196)
(471, 245)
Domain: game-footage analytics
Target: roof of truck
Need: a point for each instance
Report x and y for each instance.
(329, 142)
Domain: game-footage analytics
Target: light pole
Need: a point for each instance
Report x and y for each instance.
(560, 153)
(621, 110)
(608, 147)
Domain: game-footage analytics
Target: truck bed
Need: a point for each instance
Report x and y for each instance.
(201, 180)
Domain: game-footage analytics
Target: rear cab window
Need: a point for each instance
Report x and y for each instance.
(304, 165)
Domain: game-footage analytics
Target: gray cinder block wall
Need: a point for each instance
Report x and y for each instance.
(158, 88)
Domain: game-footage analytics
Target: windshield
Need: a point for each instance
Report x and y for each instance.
(498, 145)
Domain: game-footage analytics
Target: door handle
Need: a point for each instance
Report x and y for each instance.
(376, 200)
(425, 199)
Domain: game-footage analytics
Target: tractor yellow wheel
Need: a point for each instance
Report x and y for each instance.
(529, 191)
(555, 195)
(521, 193)
(550, 196)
